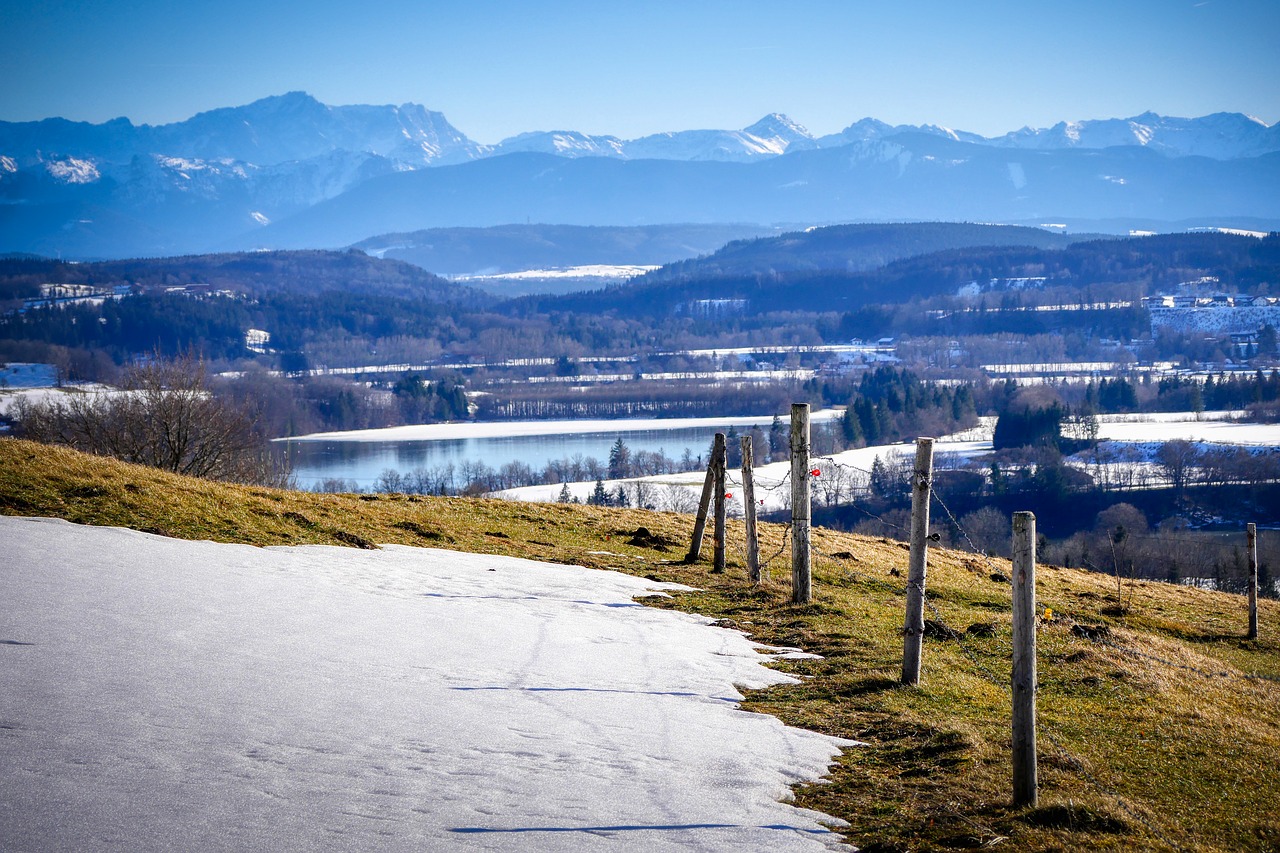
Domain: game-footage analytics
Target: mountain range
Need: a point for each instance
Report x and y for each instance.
(291, 172)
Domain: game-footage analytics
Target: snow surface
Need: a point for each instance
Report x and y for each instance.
(772, 491)
(1209, 431)
(158, 694)
(1141, 432)
(509, 429)
(37, 396)
(618, 271)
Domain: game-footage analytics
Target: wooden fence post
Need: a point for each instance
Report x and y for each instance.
(700, 522)
(1251, 538)
(719, 462)
(749, 510)
(1025, 783)
(801, 567)
(918, 562)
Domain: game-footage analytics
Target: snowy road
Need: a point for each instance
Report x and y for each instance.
(157, 694)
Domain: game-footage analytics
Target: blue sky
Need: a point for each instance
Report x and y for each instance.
(499, 67)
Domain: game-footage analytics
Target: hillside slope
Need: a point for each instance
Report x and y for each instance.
(1159, 722)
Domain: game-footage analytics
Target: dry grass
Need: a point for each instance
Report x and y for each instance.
(1187, 743)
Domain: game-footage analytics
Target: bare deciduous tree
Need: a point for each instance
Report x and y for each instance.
(990, 530)
(678, 498)
(164, 416)
(1176, 459)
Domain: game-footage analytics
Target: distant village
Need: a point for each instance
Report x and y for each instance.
(1195, 308)
(56, 295)
(62, 295)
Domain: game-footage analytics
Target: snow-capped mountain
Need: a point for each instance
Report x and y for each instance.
(769, 137)
(565, 143)
(868, 129)
(1222, 136)
(780, 133)
(773, 135)
(228, 177)
(279, 129)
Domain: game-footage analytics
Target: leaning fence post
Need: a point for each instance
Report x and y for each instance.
(1251, 538)
(719, 461)
(918, 563)
(1025, 785)
(801, 568)
(700, 522)
(749, 510)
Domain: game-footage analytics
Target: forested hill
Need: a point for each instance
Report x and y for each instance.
(308, 301)
(856, 248)
(511, 248)
(1240, 263)
(250, 273)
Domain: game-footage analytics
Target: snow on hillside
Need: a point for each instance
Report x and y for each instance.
(158, 694)
(1125, 438)
(506, 429)
(1222, 136)
(619, 272)
(565, 143)
(37, 396)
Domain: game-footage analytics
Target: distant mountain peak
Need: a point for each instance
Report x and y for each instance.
(1221, 136)
(290, 158)
(289, 103)
(778, 124)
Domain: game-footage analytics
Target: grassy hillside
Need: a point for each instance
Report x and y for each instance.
(1160, 725)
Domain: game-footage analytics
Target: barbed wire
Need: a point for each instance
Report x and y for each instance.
(886, 522)
(862, 576)
(1078, 766)
(737, 483)
(1092, 634)
(964, 534)
(979, 666)
(786, 536)
(1046, 730)
(845, 465)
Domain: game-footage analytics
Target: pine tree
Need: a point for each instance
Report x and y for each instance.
(777, 440)
(619, 460)
(850, 426)
(733, 448)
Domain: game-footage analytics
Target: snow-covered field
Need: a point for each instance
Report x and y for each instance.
(1140, 433)
(1211, 431)
(771, 486)
(592, 271)
(158, 694)
(510, 429)
(9, 398)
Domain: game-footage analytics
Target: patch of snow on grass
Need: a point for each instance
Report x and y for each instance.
(158, 694)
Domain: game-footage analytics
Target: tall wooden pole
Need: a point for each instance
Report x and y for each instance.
(749, 510)
(918, 563)
(1251, 537)
(700, 522)
(801, 567)
(719, 461)
(1025, 782)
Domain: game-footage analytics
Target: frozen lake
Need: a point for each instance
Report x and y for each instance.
(363, 454)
